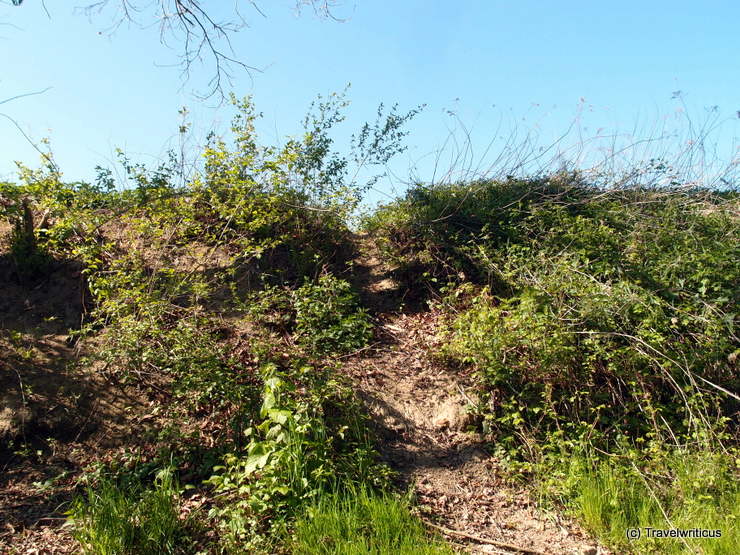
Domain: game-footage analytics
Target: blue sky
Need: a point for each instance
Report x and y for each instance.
(512, 67)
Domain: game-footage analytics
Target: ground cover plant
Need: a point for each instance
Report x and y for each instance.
(116, 518)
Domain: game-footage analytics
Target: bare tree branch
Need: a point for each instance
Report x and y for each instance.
(203, 39)
(49, 160)
(23, 95)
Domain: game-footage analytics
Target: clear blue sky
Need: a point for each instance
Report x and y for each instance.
(526, 65)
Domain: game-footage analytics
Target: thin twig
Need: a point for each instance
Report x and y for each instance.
(479, 539)
(358, 351)
(23, 95)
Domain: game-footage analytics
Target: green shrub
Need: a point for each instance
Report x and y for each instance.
(31, 260)
(570, 354)
(323, 316)
(328, 317)
(307, 441)
(436, 232)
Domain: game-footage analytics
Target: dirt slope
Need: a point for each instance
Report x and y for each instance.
(55, 418)
(420, 409)
(417, 404)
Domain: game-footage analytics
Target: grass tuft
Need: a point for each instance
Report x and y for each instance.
(693, 490)
(361, 521)
(112, 520)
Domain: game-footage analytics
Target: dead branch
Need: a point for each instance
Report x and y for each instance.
(204, 39)
(503, 545)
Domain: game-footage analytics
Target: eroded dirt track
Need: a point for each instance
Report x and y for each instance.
(420, 408)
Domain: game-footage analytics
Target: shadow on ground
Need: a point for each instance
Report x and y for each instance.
(54, 415)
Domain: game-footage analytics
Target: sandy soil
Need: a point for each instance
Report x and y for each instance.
(420, 408)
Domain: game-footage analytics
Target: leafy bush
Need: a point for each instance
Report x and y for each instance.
(31, 261)
(324, 316)
(570, 354)
(286, 209)
(328, 317)
(48, 214)
(308, 441)
(608, 342)
(435, 232)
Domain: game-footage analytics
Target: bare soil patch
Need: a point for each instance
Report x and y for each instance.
(56, 417)
(420, 409)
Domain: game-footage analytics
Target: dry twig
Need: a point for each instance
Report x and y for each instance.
(504, 545)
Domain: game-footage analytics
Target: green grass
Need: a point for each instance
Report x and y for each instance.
(688, 490)
(363, 522)
(113, 520)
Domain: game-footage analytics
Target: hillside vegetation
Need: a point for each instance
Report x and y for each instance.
(215, 320)
(600, 325)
